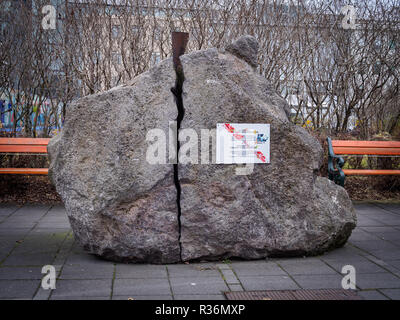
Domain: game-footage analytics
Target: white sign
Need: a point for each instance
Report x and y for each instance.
(243, 143)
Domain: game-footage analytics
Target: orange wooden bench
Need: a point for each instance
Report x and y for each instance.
(24, 145)
(351, 147)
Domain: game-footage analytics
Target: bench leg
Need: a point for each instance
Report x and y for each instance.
(339, 178)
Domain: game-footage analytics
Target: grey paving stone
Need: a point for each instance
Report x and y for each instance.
(21, 273)
(139, 271)
(29, 259)
(377, 281)
(393, 270)
(267, 283)
(377, 261)
(17, 224)
(27, 215)
(376, 217)
(193, 270)
(49, 231)
(364, 266)
(10, 238)
(378, 244)
(51, 236)
(77, 249)
(319, 281)
(7, 209)
(32, 209)
(395, 263)
(79, 298)
(250, 268)
(18, 289)
(199, 285)
(6, 213)
(386, 254)
(367, 208)
(7, 244)
(360, 235)
(346, 254)
(141, 287)
(86, 259)
(380, 230)
(82, 288)
(230, 277)
(363, 221)
(223, 266)
(390, 236)
(53, 224)
(57, 210)
(306, 266)
(87, 272)
(42, 294)
(391, 207)
(362, 205)
(56, 214)
(149, 297)
(200, 297)
(4, 252)
(390, 219)
(235, 287)
(53, 215)
(372, 295)
(393, 294)
(41, 245)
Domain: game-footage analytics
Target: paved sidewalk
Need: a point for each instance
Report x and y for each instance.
(36, 235)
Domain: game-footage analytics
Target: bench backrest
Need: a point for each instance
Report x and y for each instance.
(366, 147)
(23, 145)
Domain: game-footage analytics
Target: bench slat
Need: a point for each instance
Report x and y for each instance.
(23, 148)
(366, 150)
(24, 141)
(356, 172)
(24, 170)
(366, 144)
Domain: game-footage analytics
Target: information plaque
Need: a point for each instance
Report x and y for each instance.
(243, 143)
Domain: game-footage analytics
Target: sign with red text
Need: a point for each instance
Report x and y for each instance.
(243, 143)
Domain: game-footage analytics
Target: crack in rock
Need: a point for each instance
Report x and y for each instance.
(177, 91)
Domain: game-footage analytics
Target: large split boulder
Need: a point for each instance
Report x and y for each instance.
(124, 208)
